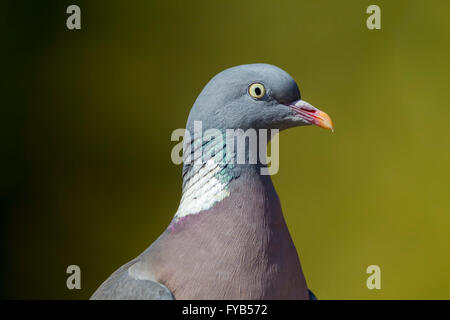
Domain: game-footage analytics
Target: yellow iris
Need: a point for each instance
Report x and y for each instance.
(256, 90)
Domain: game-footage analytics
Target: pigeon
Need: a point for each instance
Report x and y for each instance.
(228, 239)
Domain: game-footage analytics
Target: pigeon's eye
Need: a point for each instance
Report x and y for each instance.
(256, 90)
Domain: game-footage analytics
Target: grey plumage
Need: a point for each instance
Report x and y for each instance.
(120, 286)
(228, 239)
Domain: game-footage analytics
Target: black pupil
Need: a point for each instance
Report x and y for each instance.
(258, 91)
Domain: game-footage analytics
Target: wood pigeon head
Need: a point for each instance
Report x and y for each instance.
(258, 96)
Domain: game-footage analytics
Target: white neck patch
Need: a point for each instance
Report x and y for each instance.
(204, 189)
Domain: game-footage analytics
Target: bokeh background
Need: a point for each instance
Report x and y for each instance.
(86, 118)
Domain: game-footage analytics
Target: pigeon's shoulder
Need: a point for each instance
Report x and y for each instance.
(124, 284)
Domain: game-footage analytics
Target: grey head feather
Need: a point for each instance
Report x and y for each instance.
(224, 103)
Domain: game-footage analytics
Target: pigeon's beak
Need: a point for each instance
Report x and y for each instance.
(312, 115)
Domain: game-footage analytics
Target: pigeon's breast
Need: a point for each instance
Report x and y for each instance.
(238, 249)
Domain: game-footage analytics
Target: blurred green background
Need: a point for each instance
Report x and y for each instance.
(86, 118)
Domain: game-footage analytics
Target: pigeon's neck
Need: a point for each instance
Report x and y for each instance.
(209, 172)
